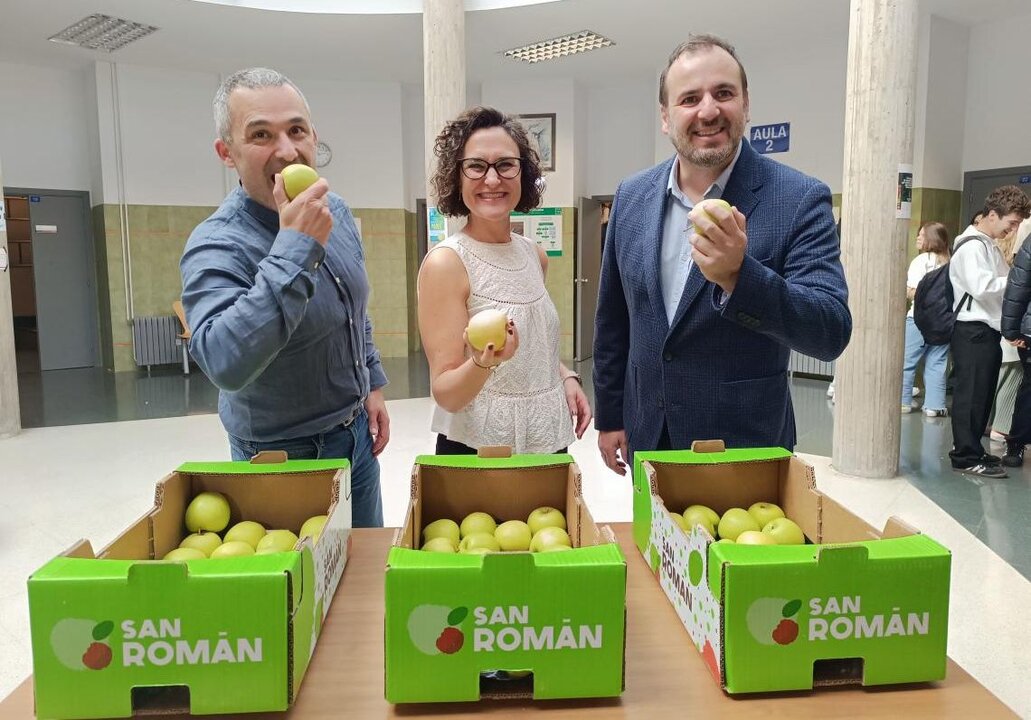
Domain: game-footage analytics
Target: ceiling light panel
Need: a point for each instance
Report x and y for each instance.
(102, 32)
(581, 42)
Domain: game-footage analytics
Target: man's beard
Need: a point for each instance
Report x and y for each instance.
(713, 157)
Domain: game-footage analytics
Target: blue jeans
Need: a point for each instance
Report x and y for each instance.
(353, 442)
(934, 357)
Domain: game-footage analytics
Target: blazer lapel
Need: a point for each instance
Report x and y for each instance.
(740, 192)
(653, 215)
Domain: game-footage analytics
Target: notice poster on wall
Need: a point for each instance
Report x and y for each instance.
(543, 226)
(3, 218)
(436, 226)
(904, 193)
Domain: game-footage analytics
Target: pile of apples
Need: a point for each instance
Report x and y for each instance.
(479, 533)
(763, 523)
(208, 514)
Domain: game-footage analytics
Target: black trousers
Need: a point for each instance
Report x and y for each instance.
(447, 446)
(1020, 430)
(976, 358)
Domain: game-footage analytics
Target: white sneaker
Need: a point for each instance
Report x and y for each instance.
(830, 390)
(935, 413)
(916, 391)
(907, 409)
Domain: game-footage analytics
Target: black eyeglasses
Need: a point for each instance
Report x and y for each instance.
(476, 169)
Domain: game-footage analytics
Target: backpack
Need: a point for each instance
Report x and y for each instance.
(934, 307)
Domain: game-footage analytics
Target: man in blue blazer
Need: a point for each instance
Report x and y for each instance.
(698, 309)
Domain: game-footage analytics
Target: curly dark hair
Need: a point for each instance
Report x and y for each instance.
(1007, 200)
(449, 148)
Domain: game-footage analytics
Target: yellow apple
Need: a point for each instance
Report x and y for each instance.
(207, 511)
(705, 206)
(544, 517)
(477, 522)
(185, 553)
(439, 544)
(705, 510)
(276, 541)
(246, 531)
(477, 541)
(701, 515)
(444, 528)
(234, 548)
(513, 535)
(754, 537)
(764, 512)
(549, 537)
(297, 178)
(313, 527)
(488, 326)
(784, 532)
(679, 520)
(206, 542)
(734, 522)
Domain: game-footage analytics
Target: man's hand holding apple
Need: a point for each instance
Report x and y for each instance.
(719, 242)
(307, 213)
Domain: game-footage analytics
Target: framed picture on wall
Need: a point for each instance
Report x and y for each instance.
(541, 129)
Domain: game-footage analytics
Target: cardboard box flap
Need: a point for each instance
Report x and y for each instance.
(134, 543)
(242, 468)
(897, 527)
(838, 525)
(719, 486)
(514, 461)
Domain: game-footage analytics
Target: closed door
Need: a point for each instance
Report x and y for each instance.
(979, 184)
(66, 294)
(588, 269)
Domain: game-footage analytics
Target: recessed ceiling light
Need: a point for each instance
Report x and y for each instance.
(581, 42)
(102, 32)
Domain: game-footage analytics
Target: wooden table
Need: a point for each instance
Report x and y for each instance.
(664, 673)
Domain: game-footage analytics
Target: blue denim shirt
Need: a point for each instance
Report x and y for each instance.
(280, 324)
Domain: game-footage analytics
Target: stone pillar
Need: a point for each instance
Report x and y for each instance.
(10, 412)
(443, 52)
(879, 117)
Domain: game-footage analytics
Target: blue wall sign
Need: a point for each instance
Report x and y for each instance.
(33, 198)
(770, 138)
(1025, 179)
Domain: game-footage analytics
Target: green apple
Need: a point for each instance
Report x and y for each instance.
(513, 535)
(476, 551)
(544, 517)
(679, 520)
(297, 178)
(784, 532)
(439, 544)
(701, 515)
(276, 541)
(233, 548)
(444, 528)
(721, 541)
(734, 522)
(185, 553)
(477, 522)
(207, 511)
(206, 542)
(488, 326)
(763, 512)
(477, 541)
(313, 527)
(754, 537)
(708, 512)
(549, 537)
(706, 206)
(246, 531)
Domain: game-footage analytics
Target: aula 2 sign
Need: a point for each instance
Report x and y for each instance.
(770, 138)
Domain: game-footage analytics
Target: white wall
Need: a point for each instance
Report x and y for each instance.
(44, 138)
(544, 96)
(941, 105)
(998, 107)
(413, 108)
(621, 122)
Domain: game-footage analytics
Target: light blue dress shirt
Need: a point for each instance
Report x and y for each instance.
(675, 261)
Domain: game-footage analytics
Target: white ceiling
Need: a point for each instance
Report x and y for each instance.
(218, 38)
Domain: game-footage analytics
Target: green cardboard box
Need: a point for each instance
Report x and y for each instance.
(851, 606)
(458, 625)
(118, 633)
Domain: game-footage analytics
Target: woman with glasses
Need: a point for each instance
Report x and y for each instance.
(518, 395)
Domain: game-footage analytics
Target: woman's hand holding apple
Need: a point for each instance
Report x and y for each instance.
(491, 356)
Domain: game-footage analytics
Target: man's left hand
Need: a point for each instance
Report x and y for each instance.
(720, 249)
(379, 421)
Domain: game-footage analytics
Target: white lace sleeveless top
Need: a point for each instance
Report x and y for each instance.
(523, 403)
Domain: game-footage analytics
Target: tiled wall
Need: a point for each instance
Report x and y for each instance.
(561, 271)
(385, 237)
(929, 205)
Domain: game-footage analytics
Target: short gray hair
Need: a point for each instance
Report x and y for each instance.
(251, 78)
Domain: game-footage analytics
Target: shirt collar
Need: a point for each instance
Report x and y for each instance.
(267, 217)
(715, 190)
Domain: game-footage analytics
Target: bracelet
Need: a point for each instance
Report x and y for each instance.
(574, 376)
(492, 368)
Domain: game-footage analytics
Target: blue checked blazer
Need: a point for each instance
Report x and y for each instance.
(717, 372)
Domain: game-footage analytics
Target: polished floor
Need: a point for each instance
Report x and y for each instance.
(101, 442)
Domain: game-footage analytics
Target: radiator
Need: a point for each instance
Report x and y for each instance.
(155, 341)
(806, 365)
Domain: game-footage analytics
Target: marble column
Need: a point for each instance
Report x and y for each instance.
(879, 118)
(10, 413)
(443, 52)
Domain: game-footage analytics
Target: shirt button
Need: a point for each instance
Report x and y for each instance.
(667, 356)
(662, 403)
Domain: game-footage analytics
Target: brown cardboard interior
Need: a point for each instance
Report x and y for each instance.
(799, 498)
(134, 543)
(504, 493)
(838, 525)
(719, 486)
